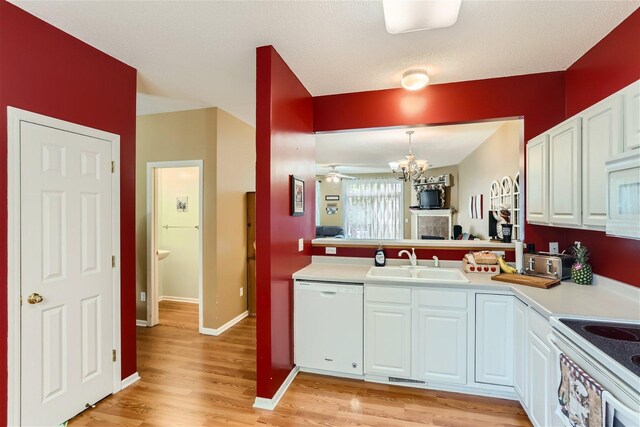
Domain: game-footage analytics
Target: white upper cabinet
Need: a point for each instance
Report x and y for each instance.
(631, 96)
(494, 339)
(601, 139)
(566, 181)
(565, 207)
(537, 193)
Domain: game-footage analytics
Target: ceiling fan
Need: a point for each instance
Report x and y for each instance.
(334, 176)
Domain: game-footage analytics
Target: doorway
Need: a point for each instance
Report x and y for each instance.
(174, 243)
(63, 268)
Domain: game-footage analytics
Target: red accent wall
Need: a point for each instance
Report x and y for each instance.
(45, 70)
(392, 253)
(285, 145)
(609, 66)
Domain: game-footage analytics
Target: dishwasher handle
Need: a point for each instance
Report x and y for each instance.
(328, 289)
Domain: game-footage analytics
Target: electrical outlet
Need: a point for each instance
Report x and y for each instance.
(143, 296)
(330, 250)
(553, 247)
(242, 291)
(300, 245)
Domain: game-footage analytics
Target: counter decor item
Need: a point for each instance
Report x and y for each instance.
(581, 271)
(480, 262)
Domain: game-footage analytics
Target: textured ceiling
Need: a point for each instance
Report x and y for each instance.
(371, 151)
(203, 52)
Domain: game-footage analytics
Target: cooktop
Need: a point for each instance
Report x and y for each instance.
(620, 341)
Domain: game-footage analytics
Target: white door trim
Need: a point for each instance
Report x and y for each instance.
(14, 117)
(152, 290)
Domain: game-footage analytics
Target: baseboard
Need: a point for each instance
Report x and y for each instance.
(270, 404)
(130, 380)
(221, 329)
(179, 299)
(142, 323)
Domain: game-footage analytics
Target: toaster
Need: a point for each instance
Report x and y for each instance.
(554, 266)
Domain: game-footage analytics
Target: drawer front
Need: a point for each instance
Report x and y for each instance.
(387, 294)
(441, 298)
(538, 324)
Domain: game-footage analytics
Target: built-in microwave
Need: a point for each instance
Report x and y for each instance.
(623, 195)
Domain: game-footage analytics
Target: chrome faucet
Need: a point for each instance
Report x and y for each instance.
(436, 263)
(411, 255)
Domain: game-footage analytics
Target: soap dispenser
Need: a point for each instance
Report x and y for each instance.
(381, 256)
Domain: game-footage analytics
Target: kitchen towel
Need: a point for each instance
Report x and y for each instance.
(579, 396)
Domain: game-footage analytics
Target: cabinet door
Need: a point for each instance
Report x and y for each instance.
(442, 345)
(520, 350)
(537, 183)
(494, 339)
(565, 207)
(387, 340)
(631, 117)
(601, 139)
(538, 378)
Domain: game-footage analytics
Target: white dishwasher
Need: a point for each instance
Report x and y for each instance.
(328, 326)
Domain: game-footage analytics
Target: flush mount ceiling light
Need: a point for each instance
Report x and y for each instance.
(403, 16)
(414, 79)
(409, 168)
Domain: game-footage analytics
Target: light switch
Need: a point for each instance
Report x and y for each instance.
(330, 250)
(300, 245)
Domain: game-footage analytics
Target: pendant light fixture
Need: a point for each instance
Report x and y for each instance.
(409, 168)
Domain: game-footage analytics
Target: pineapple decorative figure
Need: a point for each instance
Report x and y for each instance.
(581, 271)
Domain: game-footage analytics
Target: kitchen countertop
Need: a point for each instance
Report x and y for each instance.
(605, 300)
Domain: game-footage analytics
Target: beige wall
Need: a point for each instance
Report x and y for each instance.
(498, 156)
(219, 140)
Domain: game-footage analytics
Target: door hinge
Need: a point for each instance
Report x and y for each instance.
(113, 166)
(113, 261)
(113, 355)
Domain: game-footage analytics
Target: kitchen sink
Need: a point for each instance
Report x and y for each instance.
(417, 274)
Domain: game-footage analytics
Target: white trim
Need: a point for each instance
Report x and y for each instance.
(141, 323)
(270, 404)
(14, 117)
(221, 329)
(179, 299)
(129, 380)
(152, 290)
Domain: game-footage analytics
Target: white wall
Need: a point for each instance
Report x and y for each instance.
(179, 271)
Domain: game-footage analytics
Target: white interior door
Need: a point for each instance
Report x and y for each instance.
(66, 260)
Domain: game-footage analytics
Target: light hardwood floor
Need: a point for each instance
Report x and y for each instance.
(195, 380)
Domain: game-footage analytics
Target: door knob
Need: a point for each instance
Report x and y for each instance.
(34, 298)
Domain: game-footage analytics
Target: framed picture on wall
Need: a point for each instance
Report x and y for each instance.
(332, 198)
(297, 196)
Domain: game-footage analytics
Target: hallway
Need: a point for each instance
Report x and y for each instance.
(196, 380)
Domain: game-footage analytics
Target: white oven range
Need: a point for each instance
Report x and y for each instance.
(604, 357)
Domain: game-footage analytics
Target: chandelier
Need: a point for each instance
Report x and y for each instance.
(409, 168)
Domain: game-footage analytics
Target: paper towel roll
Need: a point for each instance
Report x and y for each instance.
(519, 255)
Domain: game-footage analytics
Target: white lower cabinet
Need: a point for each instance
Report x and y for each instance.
(442, 345)
(387, 331)
(520, 350)
(539, 355)
(541, 395)
(494, 339)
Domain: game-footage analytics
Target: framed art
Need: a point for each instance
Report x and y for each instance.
(297, 196)
(332, 198)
